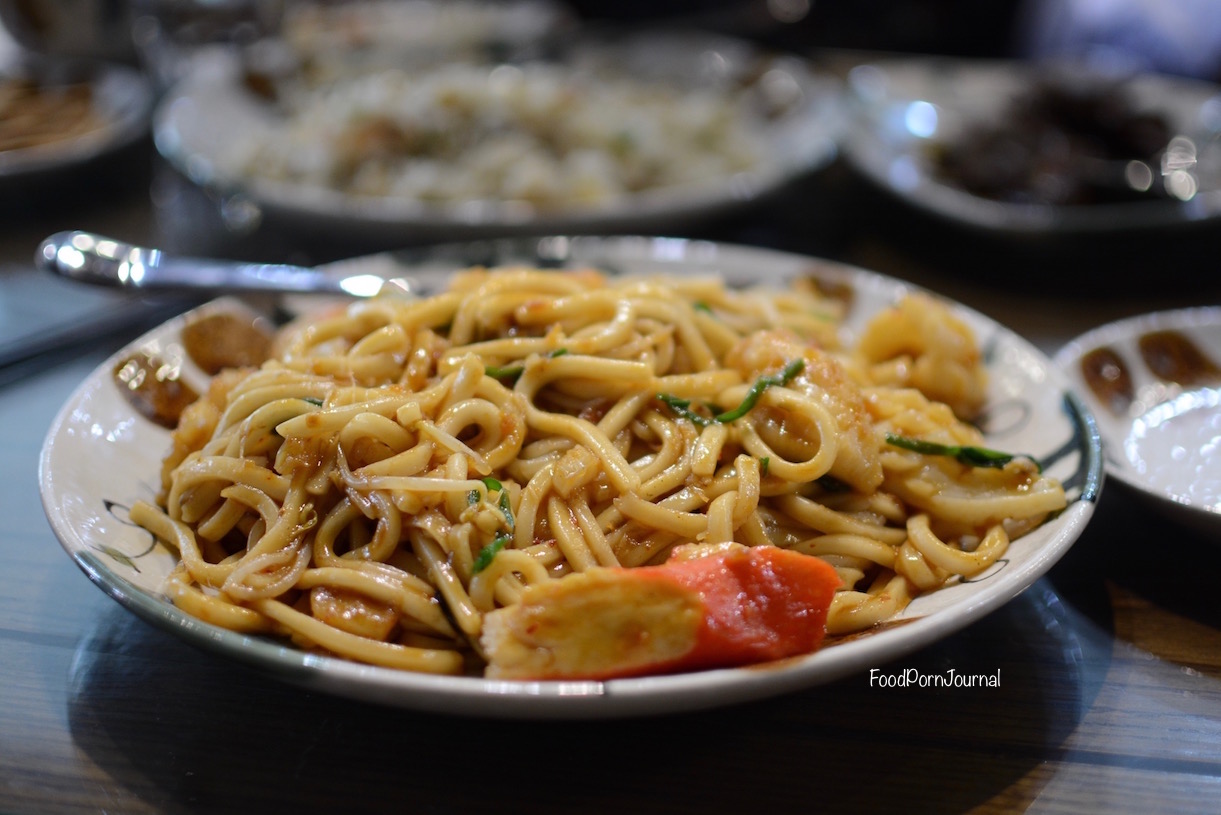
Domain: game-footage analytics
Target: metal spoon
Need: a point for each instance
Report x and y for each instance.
(102, 261)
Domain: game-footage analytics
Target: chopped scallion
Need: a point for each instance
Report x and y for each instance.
(487, 553)
(682, 408)
(514, 371)
(966, 454)
(756, 390)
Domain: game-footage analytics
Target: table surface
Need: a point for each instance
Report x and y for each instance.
(1110, 692)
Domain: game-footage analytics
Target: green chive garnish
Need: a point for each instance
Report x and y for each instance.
(487, 553)
(966, 454)
(514, 371)
(832, 484)
(756, 390)
(500, 541)
(682, 407)
(504, 371)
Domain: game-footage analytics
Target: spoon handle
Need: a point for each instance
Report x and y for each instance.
(103, 261)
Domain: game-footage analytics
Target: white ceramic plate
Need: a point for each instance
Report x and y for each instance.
(903, 107)
(99, 457)
(122, 100)
(1164, 438)
(204, 125)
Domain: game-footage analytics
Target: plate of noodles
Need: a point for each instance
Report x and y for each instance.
(1037, 149)
(522, 489)
(607, 134)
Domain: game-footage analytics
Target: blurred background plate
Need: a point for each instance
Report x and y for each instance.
(337, 36)
(57, 114)
(907, 112)
(208, 125)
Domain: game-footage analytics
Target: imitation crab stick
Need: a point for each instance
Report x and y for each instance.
(729, 606)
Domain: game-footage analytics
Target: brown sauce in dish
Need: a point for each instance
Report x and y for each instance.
(219, 341)
(1175, 358)
(154, 388)
(1107, 376)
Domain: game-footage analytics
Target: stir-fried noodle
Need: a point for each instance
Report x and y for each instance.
(404, 467)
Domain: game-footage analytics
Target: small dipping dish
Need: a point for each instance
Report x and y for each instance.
(1154, 385)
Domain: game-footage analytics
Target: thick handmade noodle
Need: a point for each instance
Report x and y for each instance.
(402, 468)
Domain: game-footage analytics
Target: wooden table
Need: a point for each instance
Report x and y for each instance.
(1110, 691)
